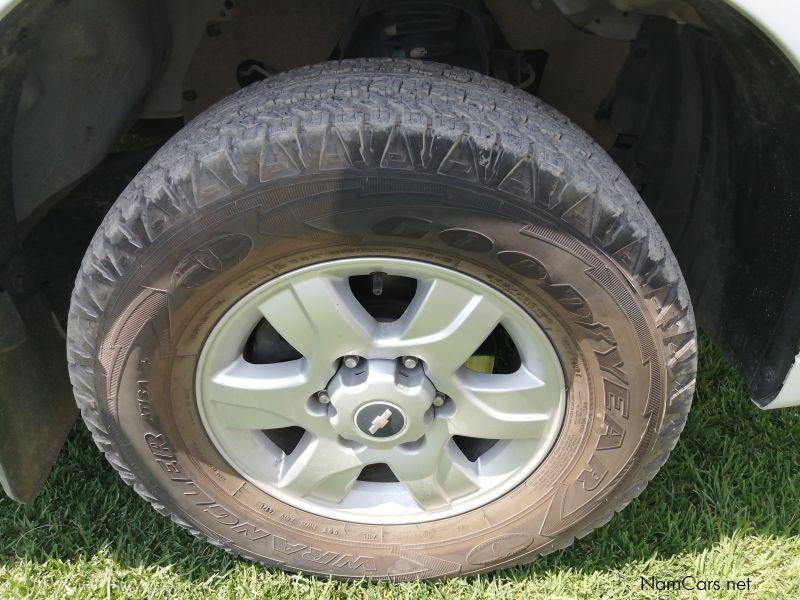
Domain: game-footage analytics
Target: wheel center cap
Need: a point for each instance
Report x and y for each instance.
(380, 420)
(381, 403)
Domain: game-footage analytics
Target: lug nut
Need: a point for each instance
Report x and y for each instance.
(409, 362)
(351, 361)
(438, 400)
(322, 397)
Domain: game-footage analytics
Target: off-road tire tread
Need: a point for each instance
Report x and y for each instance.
(400, 88)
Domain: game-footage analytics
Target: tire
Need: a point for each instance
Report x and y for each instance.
(406, 161)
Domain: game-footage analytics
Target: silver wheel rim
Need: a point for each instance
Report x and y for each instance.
(449, 316)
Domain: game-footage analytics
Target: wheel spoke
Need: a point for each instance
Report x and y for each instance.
(321, 467)
(321, 319)
(501, 407)
(249, 396)
(434, 475)
(444, 324)
(449, 318)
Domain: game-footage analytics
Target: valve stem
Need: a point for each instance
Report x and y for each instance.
(377, 282)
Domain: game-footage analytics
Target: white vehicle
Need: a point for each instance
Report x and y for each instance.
(394, 288)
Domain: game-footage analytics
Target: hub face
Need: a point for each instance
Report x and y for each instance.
(378, 393)
(380, 420)
(381, 403)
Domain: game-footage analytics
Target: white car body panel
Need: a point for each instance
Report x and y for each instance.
(778, 19)
(6, 6)
(790, 392)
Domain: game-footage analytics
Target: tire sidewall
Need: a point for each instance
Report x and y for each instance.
(186, 281)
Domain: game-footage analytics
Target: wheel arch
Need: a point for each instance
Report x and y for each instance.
(771, 383)
(709, 122)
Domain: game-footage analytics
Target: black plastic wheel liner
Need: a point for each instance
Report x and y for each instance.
(759, 324)
(710, 124)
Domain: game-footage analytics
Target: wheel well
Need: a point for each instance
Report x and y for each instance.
(702, 116)
(708, 121)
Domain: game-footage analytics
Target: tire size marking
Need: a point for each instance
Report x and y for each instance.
(266, 508)
(143, 390)
(143, 400)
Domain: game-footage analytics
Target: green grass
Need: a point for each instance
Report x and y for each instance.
(726, 506)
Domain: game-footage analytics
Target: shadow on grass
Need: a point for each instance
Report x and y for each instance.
(736, 470)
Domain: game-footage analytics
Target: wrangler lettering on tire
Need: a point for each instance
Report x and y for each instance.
(383, 318)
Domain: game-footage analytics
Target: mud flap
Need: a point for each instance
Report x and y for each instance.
(37, 409)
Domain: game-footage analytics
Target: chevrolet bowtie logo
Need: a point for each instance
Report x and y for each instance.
(380, 421)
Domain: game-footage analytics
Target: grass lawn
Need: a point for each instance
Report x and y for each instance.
(725, 507)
